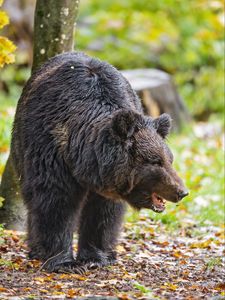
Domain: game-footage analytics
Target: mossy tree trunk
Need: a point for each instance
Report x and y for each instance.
(54, 25)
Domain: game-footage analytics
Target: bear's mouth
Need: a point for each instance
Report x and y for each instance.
(158, 203)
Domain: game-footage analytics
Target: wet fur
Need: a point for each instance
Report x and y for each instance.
(75, 146)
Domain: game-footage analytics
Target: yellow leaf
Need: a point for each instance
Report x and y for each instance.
(39, 279)
(64, 276)
(1, 200)
(43, 279)
(4, 19)
(179, 254)
(201, 245)
(58, 293)
(6, 49)
(6, 45)
(170, 286)
(43, 291)
(78, 277)
(151, 230)
(120, 249)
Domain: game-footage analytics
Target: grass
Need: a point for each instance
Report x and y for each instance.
(144, 290)
(213, 262)
(199, 159)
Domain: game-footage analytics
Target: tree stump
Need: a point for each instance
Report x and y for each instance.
(158, 94)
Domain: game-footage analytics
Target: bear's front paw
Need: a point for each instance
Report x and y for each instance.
(71, 268)
(63, 262)
(96, 259)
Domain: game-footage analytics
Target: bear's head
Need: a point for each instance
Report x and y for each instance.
(135, 163)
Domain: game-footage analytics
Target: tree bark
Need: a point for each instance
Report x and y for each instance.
(54, 25)
(13, 212)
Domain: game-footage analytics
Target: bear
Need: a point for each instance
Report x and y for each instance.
(82, 149)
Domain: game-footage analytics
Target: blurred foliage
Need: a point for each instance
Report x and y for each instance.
(184, 38)
(12, 79)
(6, 46)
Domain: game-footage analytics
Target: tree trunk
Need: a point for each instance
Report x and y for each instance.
(13, 212)
(54, 24)
(53, 34)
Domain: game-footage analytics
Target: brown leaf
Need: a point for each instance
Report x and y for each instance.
(34, 263)
(220, 286)
(57, 287)
(123, 297)
(183, 262)
(71, 293)
(26, 289)
(15, 238)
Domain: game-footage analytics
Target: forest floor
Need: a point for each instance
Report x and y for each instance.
(153, 263)
(178, 254)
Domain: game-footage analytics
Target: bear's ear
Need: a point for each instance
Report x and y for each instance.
(124, 123)
(162, 124)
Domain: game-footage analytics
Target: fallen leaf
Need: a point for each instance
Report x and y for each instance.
(71, 293)
(220, 286)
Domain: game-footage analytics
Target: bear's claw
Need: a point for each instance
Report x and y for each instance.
(72, 269)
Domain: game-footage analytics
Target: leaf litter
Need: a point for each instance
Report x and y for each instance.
(153, 263)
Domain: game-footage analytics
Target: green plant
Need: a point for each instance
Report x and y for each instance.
(215, 261)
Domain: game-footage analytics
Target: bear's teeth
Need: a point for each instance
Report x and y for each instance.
(156, 208)
(161, 200)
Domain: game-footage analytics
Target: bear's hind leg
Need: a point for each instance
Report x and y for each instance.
(51, 216)
(100, 223)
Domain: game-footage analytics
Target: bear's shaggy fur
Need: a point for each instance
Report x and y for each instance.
(82, 148)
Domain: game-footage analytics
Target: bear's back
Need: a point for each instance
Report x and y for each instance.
(74, 85)
(72, 90)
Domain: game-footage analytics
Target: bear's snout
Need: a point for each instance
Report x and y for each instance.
(182, 194)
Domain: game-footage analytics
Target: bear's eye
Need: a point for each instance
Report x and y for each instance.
(157, 162)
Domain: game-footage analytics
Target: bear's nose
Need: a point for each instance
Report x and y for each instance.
(183, 194)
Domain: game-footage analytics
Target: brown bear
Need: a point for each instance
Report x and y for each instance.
(82, 148)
